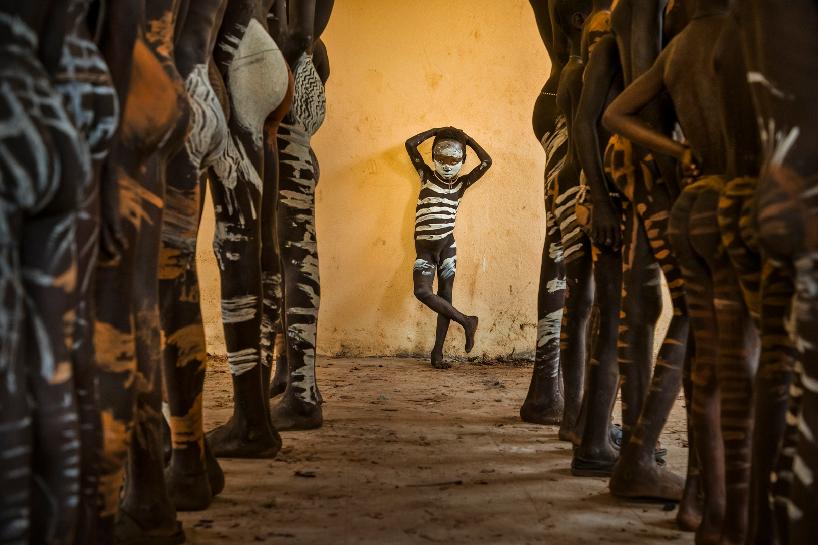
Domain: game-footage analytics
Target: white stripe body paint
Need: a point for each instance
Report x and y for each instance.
(208, 133)
(258, 79)
(548, 329)
(242, 361)
(239, 309)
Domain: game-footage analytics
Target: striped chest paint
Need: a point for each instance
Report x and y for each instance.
(437, 206)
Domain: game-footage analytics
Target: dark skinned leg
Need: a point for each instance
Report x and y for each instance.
(299, 407)
(596, 450)
(637, 473)
(737, 359)
(544, 402)
(705, 411)
(48, 259)
(193, 475)
(445, 285)
(574, 332)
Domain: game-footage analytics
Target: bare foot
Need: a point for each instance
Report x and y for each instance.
(234, 440)
(648, 482)
(544, 403)
(290, 413)
(689, 517)
(470, 328)
(214, 471)
(188, 490)
(438, 362)
(280, 377)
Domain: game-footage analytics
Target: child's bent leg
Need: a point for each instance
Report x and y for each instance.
(445, 285)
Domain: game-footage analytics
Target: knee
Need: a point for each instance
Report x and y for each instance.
(423, 293)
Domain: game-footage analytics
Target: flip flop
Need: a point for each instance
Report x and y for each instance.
(129, 532)
(581, 467)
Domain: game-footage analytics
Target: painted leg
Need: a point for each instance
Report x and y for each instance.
(641, 307)
(637, 473)
(689, 517)
(803, 505)
(147, 512)
(235, 186)
(298, 407)
(706, 409)
(48, 250)
(184, 355)
(736, 361)
(15, 413)
(445, 282)
(544, 402)
(579, 300)
(596, 455)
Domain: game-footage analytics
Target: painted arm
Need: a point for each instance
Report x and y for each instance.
(301, 29)
(412, 147)
(622, 117)
(600, 74)
(483, 156)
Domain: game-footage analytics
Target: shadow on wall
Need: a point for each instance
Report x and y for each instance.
(400, 68)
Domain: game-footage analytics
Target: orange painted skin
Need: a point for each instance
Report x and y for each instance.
(193, 474)
(151, 111)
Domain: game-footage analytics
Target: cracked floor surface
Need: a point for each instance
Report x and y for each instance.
(409, 454)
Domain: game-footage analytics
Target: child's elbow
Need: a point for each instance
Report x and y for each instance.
(487, 163)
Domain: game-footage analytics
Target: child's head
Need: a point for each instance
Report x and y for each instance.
(449, 152)
(570, 16)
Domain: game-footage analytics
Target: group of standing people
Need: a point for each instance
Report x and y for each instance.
(115, 118)
(678, 138)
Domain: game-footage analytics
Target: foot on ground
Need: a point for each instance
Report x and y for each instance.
(129, 531)
(438, 362)
(646, 481)
(290, 414)
(234, 440)
(188, 490)
(214, 471)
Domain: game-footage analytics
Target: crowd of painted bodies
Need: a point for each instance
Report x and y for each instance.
(678, 138)
(115, 116)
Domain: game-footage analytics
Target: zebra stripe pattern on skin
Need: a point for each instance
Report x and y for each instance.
(647, 253)
(85, 83)
(47, 246)
(723, 383)
(237, 188)
(30, 174)
(786, 219)
(296, 230)
(185, 350)
(768, 290)
(578, 263)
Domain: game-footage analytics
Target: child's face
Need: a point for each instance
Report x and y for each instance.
(448, 156)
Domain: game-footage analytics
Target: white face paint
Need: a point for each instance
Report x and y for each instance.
(448, 157)
(446, 171)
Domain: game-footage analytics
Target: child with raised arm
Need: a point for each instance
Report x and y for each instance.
(441, 189)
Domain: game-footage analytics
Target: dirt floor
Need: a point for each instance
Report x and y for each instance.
(409, 454)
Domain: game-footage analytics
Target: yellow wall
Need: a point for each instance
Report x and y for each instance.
(400, 67)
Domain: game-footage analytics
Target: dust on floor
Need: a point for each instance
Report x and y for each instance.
(410, 454)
